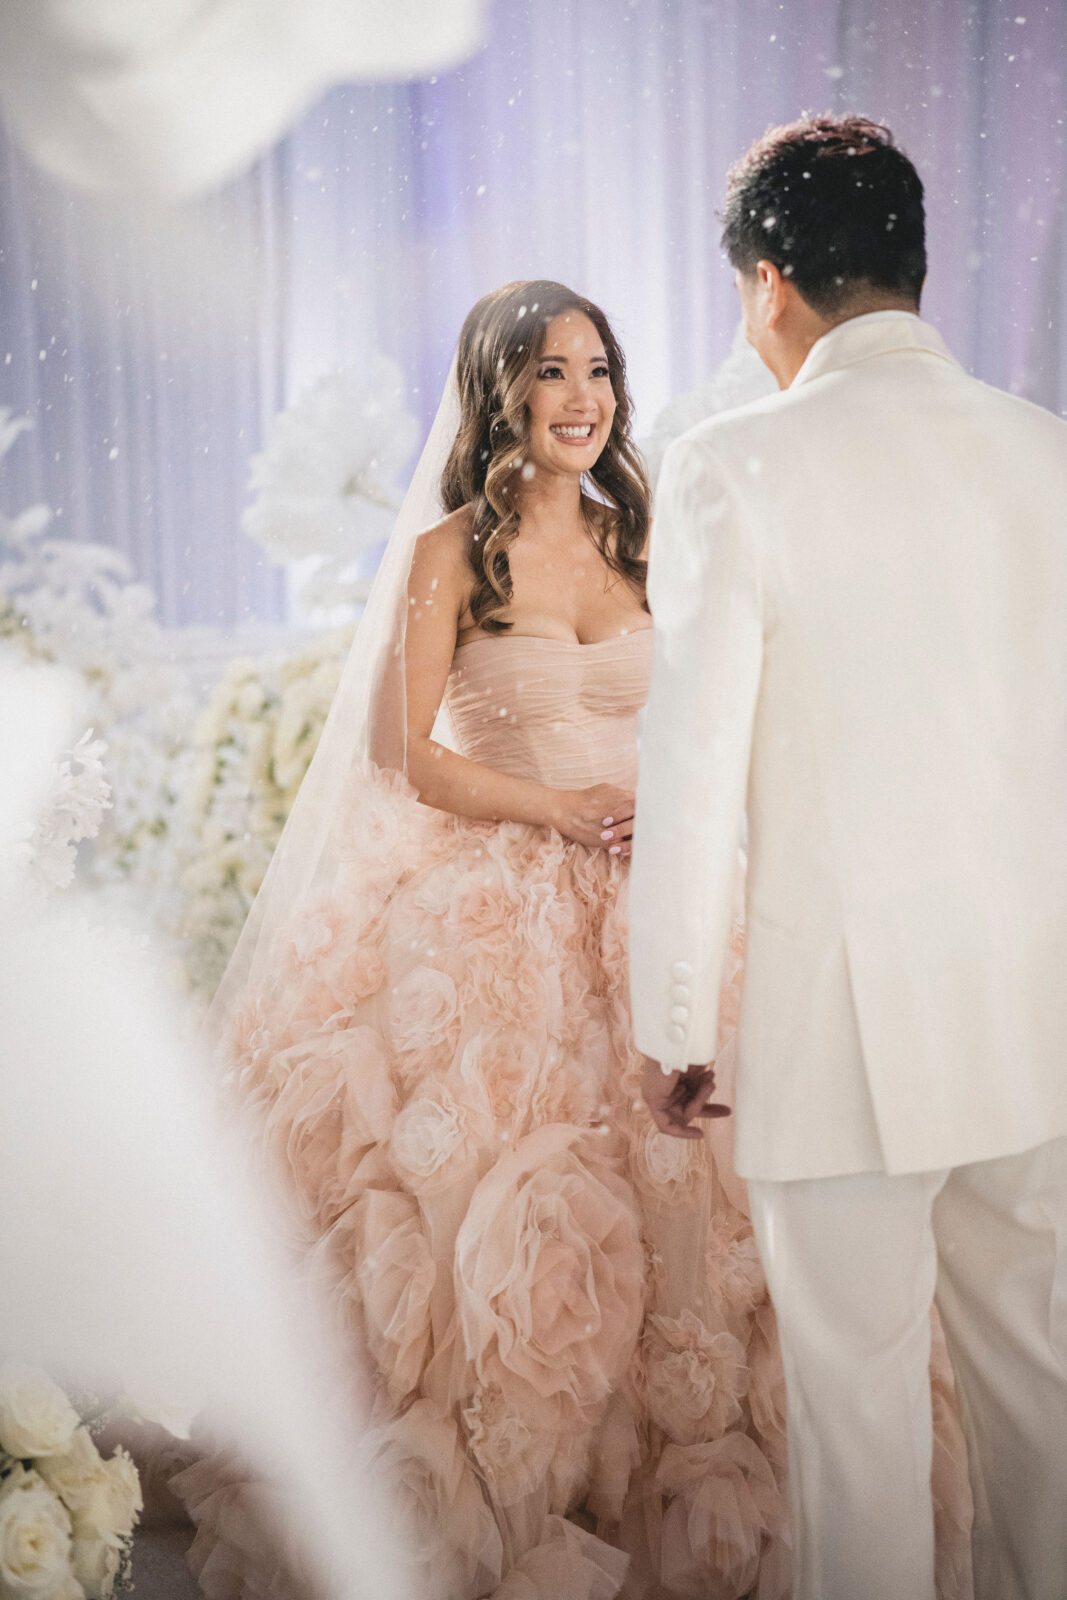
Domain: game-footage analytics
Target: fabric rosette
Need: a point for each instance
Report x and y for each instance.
(394, 1274)
(723, 1513)
(485, 911)
(513, 1444)
(439, 1139)
(332, 961)
(424, 1021)
(382, 831)
(549, 1274)
(567, 1563)
(431, 894)
(453, 1535)
(615, 964)
(312, 936)
(330, 1099)
(242, 1545)
(512, 990)
(695, 1377)
(513, 929)
(499, 1068)
(734, 1271)
(615, 1456)
(669, 1172)
(252, 1045)
(303, 1123)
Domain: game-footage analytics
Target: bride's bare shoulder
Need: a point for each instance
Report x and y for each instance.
(448, 536)
(441, 550)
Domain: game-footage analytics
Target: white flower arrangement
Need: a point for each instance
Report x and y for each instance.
(191, 822)
(74, 602)
(252, 745)
(67, 1516)
(740, 378)
(78, 796)
(324, 485)
(77, 604)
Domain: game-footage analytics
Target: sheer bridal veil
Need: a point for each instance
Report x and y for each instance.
(364, 736)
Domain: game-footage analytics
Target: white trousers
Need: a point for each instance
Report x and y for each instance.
(853, 1264)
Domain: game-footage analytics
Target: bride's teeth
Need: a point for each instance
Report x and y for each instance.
(582, 432)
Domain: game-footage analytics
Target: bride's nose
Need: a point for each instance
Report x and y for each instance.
(579, 395)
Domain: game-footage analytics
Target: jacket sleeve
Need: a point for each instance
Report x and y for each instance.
(706, 600)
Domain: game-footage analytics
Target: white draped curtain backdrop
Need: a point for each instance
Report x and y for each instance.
(587, 141)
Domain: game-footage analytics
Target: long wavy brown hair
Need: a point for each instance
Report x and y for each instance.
(499, 351)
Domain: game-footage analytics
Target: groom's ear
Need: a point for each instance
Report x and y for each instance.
(774, 292)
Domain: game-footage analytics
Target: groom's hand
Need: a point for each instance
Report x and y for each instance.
(675, 1098)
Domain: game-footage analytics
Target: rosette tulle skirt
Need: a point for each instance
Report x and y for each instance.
(578, 1391)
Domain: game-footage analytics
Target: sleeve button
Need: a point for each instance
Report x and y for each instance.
(681, 993)
(681, 971)
(679, 1013)
(677, 1033)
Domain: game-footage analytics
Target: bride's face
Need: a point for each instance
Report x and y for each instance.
(571, 404)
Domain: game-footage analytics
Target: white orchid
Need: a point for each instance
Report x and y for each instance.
(324, 484)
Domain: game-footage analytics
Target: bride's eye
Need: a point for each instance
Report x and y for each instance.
(601, 370)
(550, 372)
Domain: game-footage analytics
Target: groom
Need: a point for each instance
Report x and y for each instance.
(859, 588)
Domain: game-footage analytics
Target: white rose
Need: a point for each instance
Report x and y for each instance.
(82, 1481)
(250, 699)
(96, 1564)
(258, 756)
(249, 881)
(34, 1540)
(127, 1502)
(36, 1418)
(69, 1589)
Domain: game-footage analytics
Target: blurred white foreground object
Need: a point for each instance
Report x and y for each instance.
(134, 1247)
(172, 97)
(740, 378)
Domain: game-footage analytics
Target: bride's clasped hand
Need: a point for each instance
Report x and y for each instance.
(600, 817)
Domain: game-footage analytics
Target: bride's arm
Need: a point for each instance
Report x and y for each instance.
(438, 588)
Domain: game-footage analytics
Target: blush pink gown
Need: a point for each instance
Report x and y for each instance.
(578, 1391)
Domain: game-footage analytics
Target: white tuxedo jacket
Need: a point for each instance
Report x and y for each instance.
(859, 590)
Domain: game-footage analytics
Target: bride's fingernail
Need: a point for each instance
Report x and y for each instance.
(606, 834)
(615, 850)
(608, 821)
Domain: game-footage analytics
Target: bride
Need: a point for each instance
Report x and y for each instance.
(577, 1387)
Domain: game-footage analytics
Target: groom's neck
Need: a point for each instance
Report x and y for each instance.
(801, 327)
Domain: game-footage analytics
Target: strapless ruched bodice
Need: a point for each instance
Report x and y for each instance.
(559, 712)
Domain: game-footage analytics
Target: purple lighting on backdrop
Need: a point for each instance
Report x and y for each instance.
(588, 142)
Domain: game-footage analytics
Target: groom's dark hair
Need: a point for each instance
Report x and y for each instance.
(835, 206)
